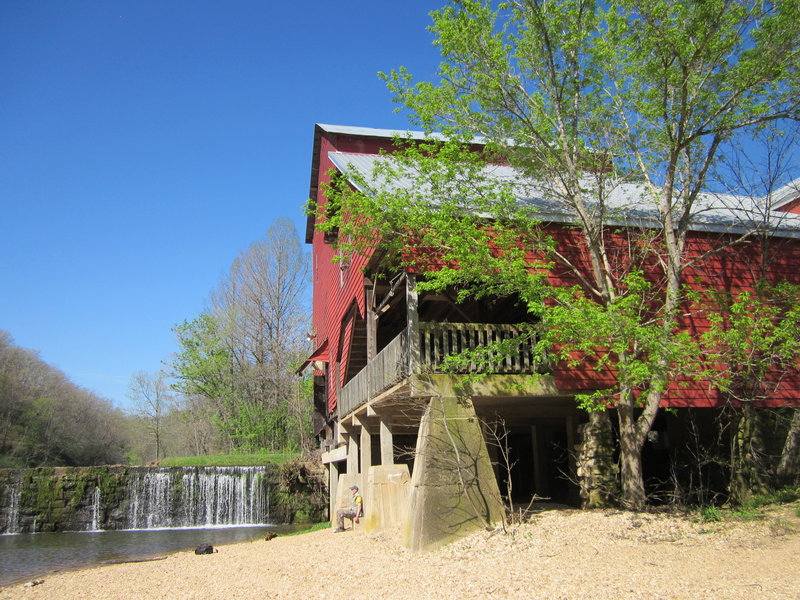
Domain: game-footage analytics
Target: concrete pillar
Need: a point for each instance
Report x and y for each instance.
(333, 489)
(453, 487)
(365, 447)
(352, 448)
(387, 441)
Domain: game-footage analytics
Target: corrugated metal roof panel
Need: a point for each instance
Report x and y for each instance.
(387, 133)
(627, 204)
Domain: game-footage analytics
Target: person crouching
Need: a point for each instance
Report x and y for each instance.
(354, 512)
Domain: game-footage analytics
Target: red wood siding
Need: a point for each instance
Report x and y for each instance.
(734, 269)
(338, 288)
(792, 207)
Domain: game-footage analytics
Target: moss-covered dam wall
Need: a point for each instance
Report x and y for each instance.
(122, 497)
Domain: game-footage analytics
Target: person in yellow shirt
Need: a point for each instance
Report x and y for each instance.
(355, 511)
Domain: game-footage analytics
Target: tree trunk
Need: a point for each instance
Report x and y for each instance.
(749, 473)
(630, 459)
(597, 470)
(789, 465)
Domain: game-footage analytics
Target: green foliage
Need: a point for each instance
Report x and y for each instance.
(780, 496)
(315, 527)
(302, 491)
(583, 96)
(44, 417)
(203, 365)
(236, 362)
(710, 514)
(746, 514)
(229, 460)
(752, 335)
(751, 509)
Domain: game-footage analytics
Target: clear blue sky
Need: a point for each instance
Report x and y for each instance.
(144, 143)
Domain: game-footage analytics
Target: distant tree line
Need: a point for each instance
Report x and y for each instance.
(45, 419)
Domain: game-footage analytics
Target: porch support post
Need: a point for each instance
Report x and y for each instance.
(372, 320)
(412, 316)
(537, 467)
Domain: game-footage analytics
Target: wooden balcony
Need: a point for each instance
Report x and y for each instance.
(404, 356)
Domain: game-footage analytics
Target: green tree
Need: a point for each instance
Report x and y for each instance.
(586, 98)
(240, 356)
(753, 340)
(44, 417)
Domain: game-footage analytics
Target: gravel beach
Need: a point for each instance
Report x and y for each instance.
(564, 554)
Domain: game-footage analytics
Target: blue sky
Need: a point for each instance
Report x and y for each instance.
(145, 143)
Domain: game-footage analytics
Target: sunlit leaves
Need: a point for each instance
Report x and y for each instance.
(752, 339)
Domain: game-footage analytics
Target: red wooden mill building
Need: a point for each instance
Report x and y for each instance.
(388, 419)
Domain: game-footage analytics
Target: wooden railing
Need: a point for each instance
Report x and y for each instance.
(388, 367)
(436, 340)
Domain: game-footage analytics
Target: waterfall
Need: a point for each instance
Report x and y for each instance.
(13, 493)
(165, 497)
(121, 497)
(96, 510)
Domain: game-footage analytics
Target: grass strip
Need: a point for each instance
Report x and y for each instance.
(314, 527)
(229, 460)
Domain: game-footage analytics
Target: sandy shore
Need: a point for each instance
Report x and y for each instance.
(560, 554)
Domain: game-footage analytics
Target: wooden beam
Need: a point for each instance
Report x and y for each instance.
(372, 320)
(537, 468)
(412, 315)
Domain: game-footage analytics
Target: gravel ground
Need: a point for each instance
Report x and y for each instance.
(561, 554)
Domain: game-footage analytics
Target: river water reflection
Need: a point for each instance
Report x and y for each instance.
(33, 555)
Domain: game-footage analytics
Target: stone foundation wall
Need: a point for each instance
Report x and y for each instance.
(98, 498)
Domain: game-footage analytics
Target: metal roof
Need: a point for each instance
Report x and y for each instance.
(628, 204)
(388, 133)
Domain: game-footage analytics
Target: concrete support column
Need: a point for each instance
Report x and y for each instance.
(333, 489)
(387, 441)
(453, 487)
(366, 453)
(352, 449)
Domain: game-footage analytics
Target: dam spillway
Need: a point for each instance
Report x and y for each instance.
(112, 498)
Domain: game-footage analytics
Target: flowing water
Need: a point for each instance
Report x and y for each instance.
(196, 497)
(152, 498)
(165, 509)
(27, 556)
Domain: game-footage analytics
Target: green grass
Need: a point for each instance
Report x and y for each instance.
(229, 460)
(314, 527)
(710, 514)
(750, 509)
(747, 514)
(781, 496)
